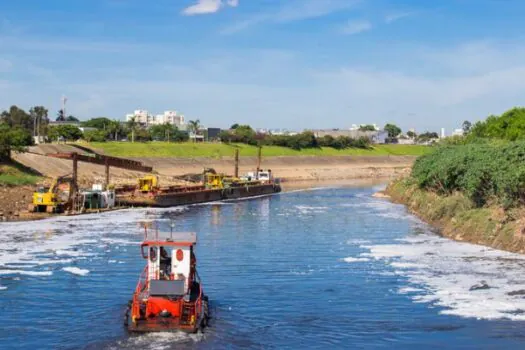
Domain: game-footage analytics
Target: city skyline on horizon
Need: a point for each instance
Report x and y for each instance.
(294, 64)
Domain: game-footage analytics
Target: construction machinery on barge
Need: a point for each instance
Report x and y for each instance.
(214, 187)
(147, 192)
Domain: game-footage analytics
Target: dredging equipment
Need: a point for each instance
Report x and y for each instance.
(169, 295)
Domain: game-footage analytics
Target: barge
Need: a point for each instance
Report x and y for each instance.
(215, 187)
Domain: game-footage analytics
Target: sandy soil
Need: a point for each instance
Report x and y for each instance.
(286, 168)
(307, 169)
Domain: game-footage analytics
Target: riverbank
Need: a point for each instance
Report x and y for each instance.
(458, 218)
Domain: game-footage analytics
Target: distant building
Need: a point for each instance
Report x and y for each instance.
(282, 132)
(458, 132)
(443, 135)
(57, 123)
(141, 116)
(212, 134)
(146, 119)
(170, 117)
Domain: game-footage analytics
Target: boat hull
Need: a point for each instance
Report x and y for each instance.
(165, 200)
(166, 324)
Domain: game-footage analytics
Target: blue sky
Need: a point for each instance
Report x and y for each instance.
(269, 63)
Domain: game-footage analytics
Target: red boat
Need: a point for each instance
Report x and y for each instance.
(169, 295)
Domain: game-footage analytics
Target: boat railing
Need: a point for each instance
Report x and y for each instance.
(138, 295)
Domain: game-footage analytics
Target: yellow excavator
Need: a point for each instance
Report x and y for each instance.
(148, 183)
(47, 199)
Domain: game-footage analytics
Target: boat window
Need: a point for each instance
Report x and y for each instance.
(153, 253)
(165, 263)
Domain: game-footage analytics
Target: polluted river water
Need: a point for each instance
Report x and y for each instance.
(323, 268)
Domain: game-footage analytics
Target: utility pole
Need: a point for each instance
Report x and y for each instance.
(64, 100)
(259, 156)
(236, 170)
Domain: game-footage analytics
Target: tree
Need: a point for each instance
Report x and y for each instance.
(60, 116)
(13, 139)
(368, 127)
(393, 130)
(141, 135)
(132, 126)
(17, 117)
(234, 126)
(114, 127)
(100, 123)
(39, 114)
(95, 135)
(466, 126)
(166, 132)
(244, 134)
(72, 119)
(427, 136)
(194, 127)
(411, 134)
(66, 132)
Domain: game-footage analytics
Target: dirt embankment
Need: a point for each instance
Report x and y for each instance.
(286, 168)
(172, 170)
(459, 219)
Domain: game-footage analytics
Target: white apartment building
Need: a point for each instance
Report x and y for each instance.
(170, 117)
(145, 118)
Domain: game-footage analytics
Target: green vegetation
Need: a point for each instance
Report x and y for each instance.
(13, 138)
(459, 218)
(509, 126)
(485, 173)
(305, 140)
(216, 150)
(65, 132)
(367, 128)
(167, 132)
(14, 174)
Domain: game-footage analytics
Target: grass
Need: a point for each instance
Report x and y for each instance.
(15, 174)
(218, 150)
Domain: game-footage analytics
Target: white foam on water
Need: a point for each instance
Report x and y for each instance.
(160, 340)
(112, 261)
(75, 270)
(25, 272)
(305, 209)
(3, 287)
(357, 241)
(466, 280)
(64, 240)
(406, 265)
(352, 259)
(119, 241)
(408, 290)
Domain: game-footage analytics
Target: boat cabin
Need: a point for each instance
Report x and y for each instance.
(171, 262)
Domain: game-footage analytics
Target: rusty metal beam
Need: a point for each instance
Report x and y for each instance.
(105, 161)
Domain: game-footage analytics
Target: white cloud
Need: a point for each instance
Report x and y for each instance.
(294, 10)
(394, 16)
(208, 6)
(356, 26)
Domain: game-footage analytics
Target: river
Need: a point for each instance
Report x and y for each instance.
(318, 268)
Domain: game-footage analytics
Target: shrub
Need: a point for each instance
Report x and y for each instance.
(483, 172)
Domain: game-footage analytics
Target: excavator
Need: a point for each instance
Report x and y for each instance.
(48, 199)
(148, 183)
